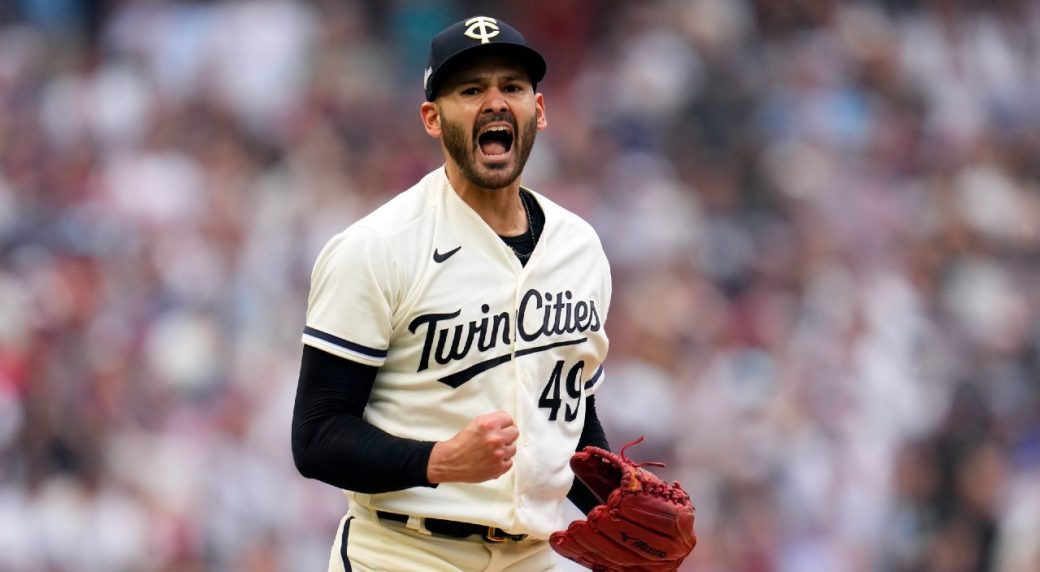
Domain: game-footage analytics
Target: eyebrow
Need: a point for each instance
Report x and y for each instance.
(484, 78)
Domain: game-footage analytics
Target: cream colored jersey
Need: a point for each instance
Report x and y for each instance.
(424, 289)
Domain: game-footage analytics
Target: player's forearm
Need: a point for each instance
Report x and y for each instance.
(332, 443)
(591, 434)
(349, 453)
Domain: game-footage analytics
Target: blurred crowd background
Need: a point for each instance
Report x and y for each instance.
(823, 219)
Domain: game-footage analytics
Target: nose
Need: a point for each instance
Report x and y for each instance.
(495, 102)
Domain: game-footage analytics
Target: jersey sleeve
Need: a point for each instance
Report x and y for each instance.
(593, 382)
(353, 293)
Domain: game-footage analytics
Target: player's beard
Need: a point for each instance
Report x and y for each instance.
(465, 150)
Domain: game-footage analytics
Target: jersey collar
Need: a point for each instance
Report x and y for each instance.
(474, 232)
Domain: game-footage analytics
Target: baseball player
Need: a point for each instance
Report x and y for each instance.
(455, 338)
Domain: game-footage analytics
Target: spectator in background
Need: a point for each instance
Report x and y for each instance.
(833, 204)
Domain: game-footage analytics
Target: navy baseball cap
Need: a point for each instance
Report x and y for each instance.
(478, 35)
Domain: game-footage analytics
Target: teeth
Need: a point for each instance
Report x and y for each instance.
(490, 129)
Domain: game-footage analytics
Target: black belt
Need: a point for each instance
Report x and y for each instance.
(457, 529)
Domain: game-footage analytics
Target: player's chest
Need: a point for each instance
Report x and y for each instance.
(476, 309)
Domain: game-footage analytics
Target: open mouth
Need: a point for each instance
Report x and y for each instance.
(496, 141)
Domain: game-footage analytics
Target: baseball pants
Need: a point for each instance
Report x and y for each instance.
(367, 544)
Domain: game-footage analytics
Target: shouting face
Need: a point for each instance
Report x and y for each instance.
(487, 116)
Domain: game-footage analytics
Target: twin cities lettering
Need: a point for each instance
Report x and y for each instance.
(555, 314)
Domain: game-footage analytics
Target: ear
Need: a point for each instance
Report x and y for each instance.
(541, 121)
(431, 118)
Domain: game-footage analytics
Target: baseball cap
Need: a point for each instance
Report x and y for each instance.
(475, 35)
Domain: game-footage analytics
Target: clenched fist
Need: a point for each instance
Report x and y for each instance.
(481, 451)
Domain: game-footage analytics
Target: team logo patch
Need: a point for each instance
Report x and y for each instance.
(481, 28)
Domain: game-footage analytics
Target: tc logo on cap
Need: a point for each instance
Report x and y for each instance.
(482, 28)
(455, 45)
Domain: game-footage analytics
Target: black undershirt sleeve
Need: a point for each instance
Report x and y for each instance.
(591, 434)
(332, 443)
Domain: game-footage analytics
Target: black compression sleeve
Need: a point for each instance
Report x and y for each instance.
(591, 434)
(333, 444)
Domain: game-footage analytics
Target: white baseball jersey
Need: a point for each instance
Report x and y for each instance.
(424, 289)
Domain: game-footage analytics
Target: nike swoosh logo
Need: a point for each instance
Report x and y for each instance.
(438, 257)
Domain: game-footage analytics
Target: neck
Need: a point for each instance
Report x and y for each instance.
(501, 208)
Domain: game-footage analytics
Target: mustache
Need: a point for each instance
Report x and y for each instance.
(507, 117)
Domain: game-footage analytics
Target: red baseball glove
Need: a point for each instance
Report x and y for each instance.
(643, 524)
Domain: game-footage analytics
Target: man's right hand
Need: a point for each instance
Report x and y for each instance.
(481, 451)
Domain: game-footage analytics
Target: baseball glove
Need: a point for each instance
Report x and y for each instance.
(642, 523)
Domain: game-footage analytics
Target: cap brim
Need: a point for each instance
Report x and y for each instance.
(525, 56)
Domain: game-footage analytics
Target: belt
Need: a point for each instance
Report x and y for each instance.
(456, 529)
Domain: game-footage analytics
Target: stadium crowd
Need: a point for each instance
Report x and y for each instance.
(823, 219)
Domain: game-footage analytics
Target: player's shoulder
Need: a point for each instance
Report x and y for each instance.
(390, 228)
(403, 210)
